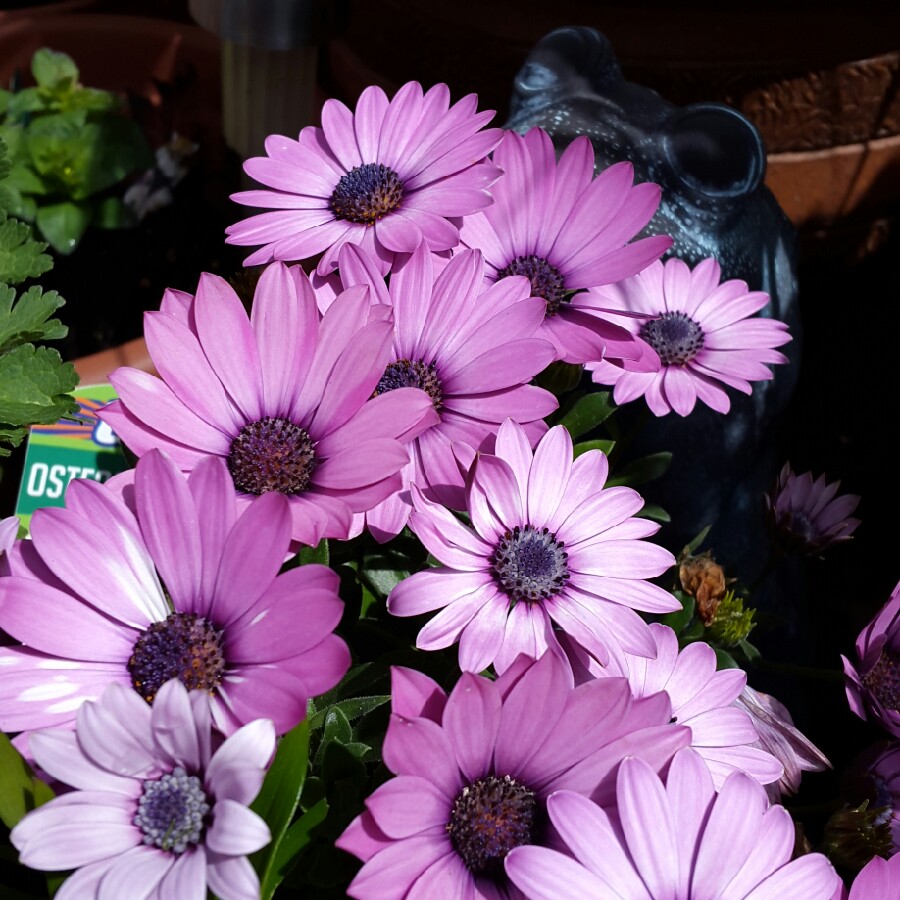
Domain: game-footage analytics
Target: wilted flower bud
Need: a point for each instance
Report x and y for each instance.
(704, 579)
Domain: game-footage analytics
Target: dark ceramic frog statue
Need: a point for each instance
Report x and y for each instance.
(710, 162)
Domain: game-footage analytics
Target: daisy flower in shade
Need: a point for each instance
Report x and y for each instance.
(566, 231)
(388, 177)
(805, 515)
(183, 585)
(702, 699)
(677, 840)
(471, 349)
(874, 776)
(474, 770)
(780, 737)
(704, 333)
(283, 397)
(547, 545)
(873, 684)
(154, 812)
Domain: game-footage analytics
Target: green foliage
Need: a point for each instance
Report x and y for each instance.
(732, 623)
(69, 147)
(20, 790)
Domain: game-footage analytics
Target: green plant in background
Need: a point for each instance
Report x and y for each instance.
(34, 381)
(70, 147)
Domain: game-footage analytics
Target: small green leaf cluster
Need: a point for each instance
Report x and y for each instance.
(69, 146)
(34, 381)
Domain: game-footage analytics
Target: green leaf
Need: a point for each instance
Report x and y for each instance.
(696, 542)
(23, 178)
(318, 554)
(352, 709)
(29, 319)
(749, 650)
(337, 727)
(295, 839)
(654, 512)
(64, 224)
(25, 102)
(54, 70)
(588, 412)
(20, 791)
(601, 445)
(724, 660)
(642, 470)
(278, 800)
(680, 619)
(34, 383)
(112, 213)
(559, 378)
(21, 256)
(11, 437)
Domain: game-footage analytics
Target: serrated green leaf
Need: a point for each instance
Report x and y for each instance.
(603, 446)
(11, 437)
(34, 383)
(642, 470)
(21, 256)
(352, 709)
(63, 224)
(279, 797)
(588, 412)
(29, 320)
(20, 791)
(5, 162)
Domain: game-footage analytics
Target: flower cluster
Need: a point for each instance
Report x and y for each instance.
(388, 469)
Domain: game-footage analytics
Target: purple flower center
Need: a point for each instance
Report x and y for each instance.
(272, 455)
(675, 337)
(172, 811)
(185, 646)
(545, 279)
(490, 817)
(883, 680)
(411, 373)
(367, 193)
(530, 564)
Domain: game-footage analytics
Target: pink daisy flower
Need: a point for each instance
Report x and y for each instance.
(183, 584)
(780, 737)
(154, 812)
(283, 397)
(805, 515)
(702, 699)
(473, 351)
(704, 333)
(566, 231)
(389, 177)
(474, 770)
(677, 840)
(547, 544)
(873, 685)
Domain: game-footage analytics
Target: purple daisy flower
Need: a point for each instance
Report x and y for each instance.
(284, 398)
(702, 699)
(677, 840)
(704, 333)
(566, 231)
(874, 776)
(547, 544)
(873, 686)
(154, 811)
(879, 879)
(805, 516)
(474, 771)
(183, 584)
(473, 351)
(780, 737)
(390, 177)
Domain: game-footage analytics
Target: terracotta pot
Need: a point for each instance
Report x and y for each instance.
(95, 369)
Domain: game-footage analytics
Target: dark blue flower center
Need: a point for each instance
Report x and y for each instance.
(367, 193)
(883, 680)
(675, 337)
(411, 373)
(185, 646)
(545, 279)
(172, 811)
(530, 564)
(271, 455)
(489, 818)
